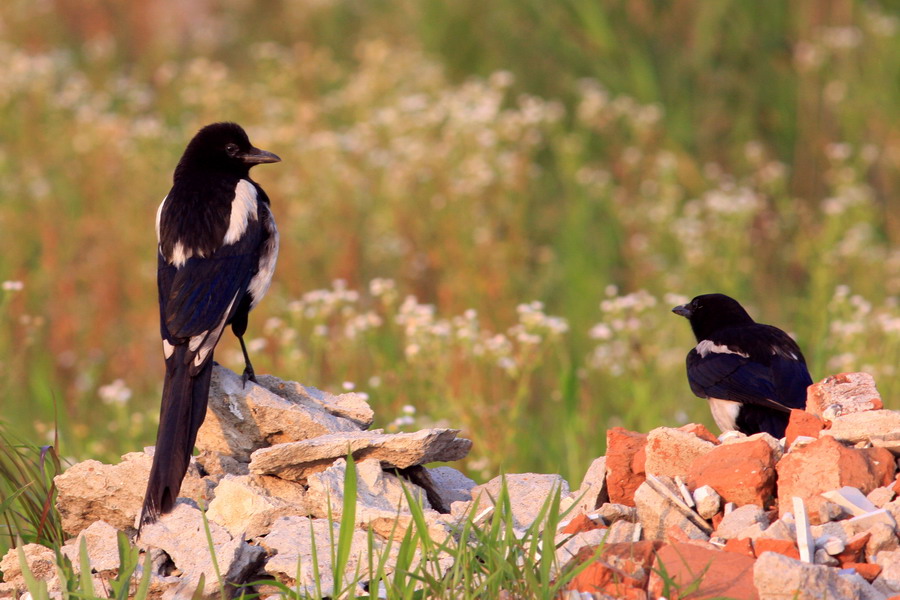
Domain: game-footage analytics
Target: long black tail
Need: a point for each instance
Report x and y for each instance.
(181, 413)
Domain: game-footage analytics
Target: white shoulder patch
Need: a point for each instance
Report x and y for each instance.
(180, 255)
(708, 346)
(243, 208)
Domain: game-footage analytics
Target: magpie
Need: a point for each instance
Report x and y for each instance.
(752, 374)
(216, 255)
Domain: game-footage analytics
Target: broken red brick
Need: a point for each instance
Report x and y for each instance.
(580, 524)
(601, 577)
(700, 431)
(868, 571)
(854, 548)
(740, 546)
(715, 574)
(802, 423)
(834, 465)
(785, 547)
(843, 393)
(742, 472)
(625, 458)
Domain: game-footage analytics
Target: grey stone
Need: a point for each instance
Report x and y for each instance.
(822, 557)
(592, 492)
(380, 499)
(181, 534)
(881, 496)
(782, 529)
(832, 545)
(568, 545)
(890, 570)
(92, 491)
(778, 577)
(829, 511)
(850, 499)
(611, 512)
(243, 506)
(102, 543)
(298, 460)
(451, 485)
(352, 406)
(528, 492)
(671, 451)
(623, 531)
(740, 519)
(218, 465)
(241, 419)
(880, 427)
(708, 501)
(290, 546)
(41, 562)
(883, 539)
(657, 511)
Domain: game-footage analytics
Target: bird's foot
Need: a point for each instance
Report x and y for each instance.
(248, 375)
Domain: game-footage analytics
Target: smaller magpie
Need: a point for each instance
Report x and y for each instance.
(216, 255)
(752, 374)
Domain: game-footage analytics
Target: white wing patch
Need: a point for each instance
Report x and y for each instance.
(708, 346)
(168, 349)
(243, 208)
(725, 413)
(259, 285)
(196, 340)
(159, 216)
(782, 352)
(207, 340)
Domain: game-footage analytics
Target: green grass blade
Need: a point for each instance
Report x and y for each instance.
(212, 554)
(143, 588)
(348, 523)
(87, 582)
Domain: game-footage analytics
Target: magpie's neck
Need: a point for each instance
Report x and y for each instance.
(706, 329)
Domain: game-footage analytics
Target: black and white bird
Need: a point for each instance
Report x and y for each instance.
(752, 374)
(217, 250)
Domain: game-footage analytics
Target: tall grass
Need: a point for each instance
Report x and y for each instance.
(27, 494)
(604, 159)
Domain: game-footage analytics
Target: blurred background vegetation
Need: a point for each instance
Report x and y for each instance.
(487, 209)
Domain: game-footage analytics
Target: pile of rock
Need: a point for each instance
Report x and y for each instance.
(270, 473)
(811, 516)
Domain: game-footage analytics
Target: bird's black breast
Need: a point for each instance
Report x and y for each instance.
(197, 213)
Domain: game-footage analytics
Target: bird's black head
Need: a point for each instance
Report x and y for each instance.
(711, 312)
(222, 147)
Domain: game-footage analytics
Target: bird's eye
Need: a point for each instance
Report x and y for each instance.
(231, 149)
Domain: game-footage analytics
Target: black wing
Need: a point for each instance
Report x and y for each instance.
(200, 297)
(734, 377)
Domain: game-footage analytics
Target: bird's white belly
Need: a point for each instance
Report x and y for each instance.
(725, 413)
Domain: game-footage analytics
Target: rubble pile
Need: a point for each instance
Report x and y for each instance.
(676, 511)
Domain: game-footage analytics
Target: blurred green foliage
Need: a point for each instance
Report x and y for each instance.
(605, 158)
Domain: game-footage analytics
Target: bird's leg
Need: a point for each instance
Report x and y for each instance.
(248, 368)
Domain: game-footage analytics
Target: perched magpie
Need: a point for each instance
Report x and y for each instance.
(216, 255)
(752, 374)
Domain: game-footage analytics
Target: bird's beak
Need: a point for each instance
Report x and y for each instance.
(255, 156)
(684, 310)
